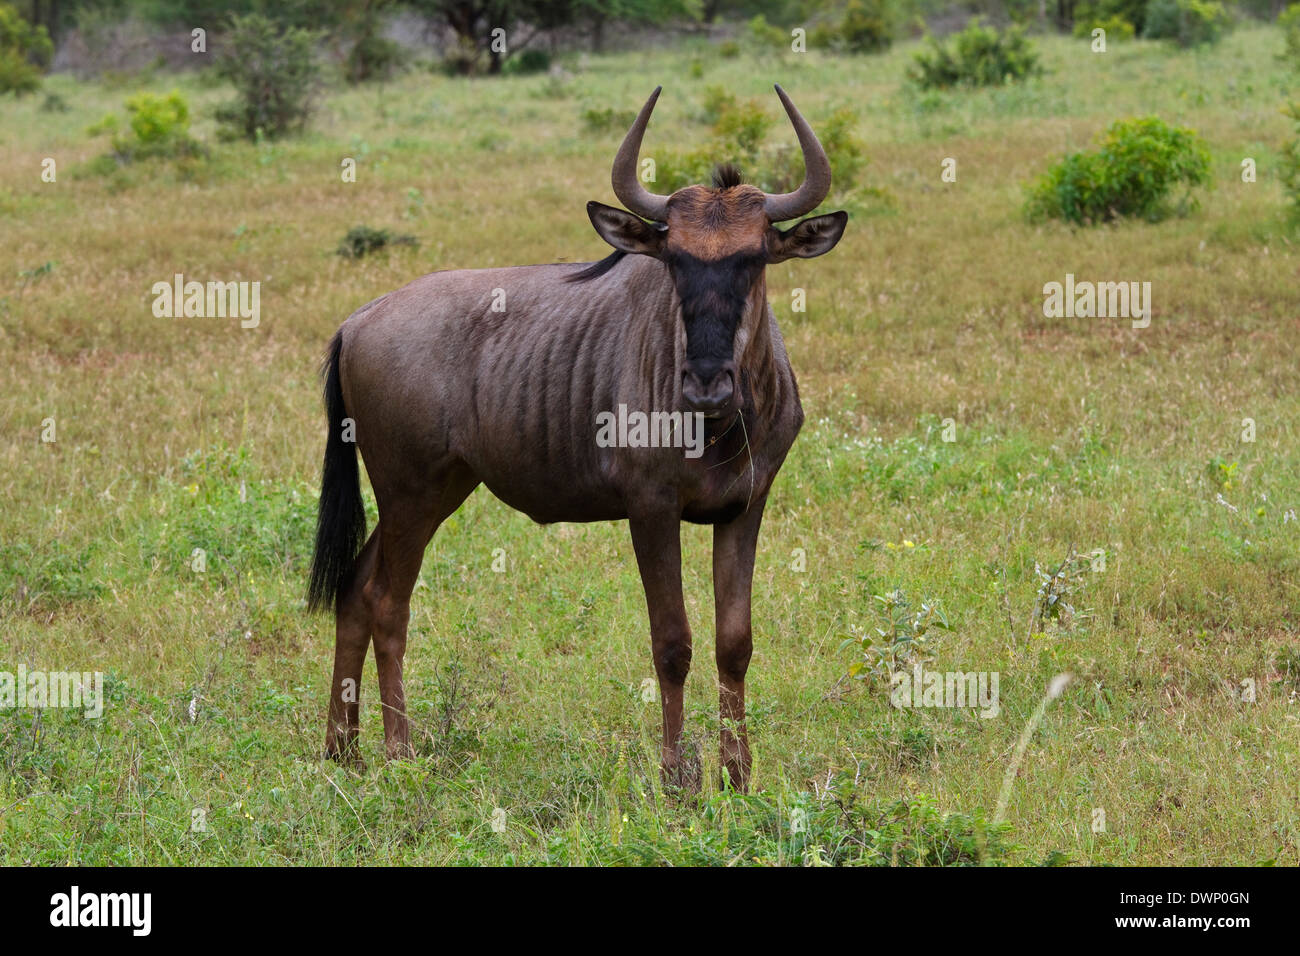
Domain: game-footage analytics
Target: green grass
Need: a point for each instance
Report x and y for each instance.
(525, 686)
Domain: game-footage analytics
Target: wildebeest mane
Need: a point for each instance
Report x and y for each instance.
(595, 270)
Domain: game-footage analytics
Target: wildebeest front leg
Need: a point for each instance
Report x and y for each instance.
(734, 545)
(657, 542)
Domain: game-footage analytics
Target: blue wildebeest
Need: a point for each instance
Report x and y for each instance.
(445, 392)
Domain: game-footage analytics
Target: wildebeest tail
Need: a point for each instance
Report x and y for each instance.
(341, 520)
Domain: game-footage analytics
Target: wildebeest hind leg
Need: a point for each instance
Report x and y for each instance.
(406, 525)
(351, 638)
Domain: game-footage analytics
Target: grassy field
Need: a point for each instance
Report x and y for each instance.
(526, 686)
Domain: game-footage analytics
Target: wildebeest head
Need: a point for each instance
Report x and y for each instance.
(716, 242)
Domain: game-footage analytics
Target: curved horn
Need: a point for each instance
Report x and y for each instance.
(817, 171)
(627, 185)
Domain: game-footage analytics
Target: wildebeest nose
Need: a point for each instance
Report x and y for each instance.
(709, 389)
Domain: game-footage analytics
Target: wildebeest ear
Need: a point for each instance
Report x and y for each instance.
(811, 237)
(626, 232)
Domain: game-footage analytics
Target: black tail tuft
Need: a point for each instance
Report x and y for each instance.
(341, 521)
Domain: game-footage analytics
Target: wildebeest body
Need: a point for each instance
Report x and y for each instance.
(527, 430)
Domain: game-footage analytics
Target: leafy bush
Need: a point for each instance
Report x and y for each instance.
(744, 126)
(1096, 12)
(158, 127)
(373, 57)
(275, 72)
(979, 56)
(846, 152)
(1136, 167)
(1187, 22)
(1289, 163)
(25, 52)
(363, 240)
(899, 639)
(461, 59)
(528, 61)
(740, 130)
(767, 36)
(1116, 27)
(604, 119)
(1289, 23)
(866, 27)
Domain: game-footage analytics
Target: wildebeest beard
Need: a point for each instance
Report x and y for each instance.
(714, 294)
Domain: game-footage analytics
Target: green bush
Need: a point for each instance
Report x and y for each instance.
(1132, 173)
(373, 57)
(1095, 12)
(848, 155)
(744, 127)
(604, 119)
(1289, 163)
(1116, 27)
(1289, 22)
(461, 60)
(766, 36)
(158, 127)
(740, 133)
(867, 26)
(1187, 22)
(274, 70)
(363, 240)
(528, 61)
(979, 56)
(25, 53)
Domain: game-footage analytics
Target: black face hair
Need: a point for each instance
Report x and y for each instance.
(713, 295)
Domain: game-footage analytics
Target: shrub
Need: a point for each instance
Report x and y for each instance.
(1136, 167)
(158, 127)
(25, 52)
(275, 72)
(739, 135)
(604, 119)
(1116, 27)
(866, 27)
(1096, 12)
(363, 240)
(461, 59)
(767, 36)
(529, 61)
(743, 127)
(1289, 163)
(716, 101)
(373, 57)
(1289, 23)
(845, 151)
(979, 56)
(1187, 22)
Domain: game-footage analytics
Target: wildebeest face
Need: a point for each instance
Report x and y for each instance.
(716, 244)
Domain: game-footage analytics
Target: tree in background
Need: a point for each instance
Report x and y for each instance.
(25, 52)
(273, 67)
